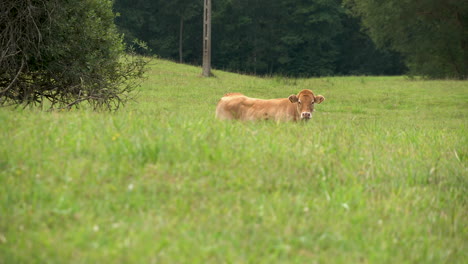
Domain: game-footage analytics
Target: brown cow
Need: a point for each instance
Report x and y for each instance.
(293, 108)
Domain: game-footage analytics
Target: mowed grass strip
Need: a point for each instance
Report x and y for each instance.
(379, 175)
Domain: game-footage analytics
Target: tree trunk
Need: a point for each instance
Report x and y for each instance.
(207, 39)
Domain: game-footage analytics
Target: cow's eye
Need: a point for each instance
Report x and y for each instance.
(299, 101)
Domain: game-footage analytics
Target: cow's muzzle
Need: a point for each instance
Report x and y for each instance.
(306, 115)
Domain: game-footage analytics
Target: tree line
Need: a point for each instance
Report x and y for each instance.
(431, 35)
(307, 38)
(288, 37)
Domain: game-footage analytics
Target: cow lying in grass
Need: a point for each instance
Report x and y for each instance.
(293, 108)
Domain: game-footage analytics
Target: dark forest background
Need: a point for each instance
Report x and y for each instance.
(427, 38)
(287, 37)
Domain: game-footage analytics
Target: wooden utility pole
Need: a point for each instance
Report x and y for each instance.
(181, 35)
(207, 39)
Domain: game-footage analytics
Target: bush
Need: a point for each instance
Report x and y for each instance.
(64, 53)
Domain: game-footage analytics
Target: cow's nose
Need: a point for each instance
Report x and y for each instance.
(306, 115)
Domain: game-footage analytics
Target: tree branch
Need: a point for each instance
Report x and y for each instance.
(16, 77)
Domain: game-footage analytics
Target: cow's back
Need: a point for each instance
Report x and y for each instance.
(238, 106)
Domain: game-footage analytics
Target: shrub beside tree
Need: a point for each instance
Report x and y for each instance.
(64, 53)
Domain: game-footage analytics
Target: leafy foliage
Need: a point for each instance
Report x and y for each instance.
(287, 37)
(158, 24)
(431, 34)
(64, 53)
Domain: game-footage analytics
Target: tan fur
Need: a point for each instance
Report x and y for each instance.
(233, 94)
(238, 106)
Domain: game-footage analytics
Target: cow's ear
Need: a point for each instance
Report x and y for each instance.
(318, 99)
(293, 98)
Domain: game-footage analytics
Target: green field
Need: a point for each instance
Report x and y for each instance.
(378, 176)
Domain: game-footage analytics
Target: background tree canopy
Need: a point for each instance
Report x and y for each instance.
(64, 53)
(289, 37)
(431, 34)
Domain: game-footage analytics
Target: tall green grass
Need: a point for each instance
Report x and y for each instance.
(378, 176)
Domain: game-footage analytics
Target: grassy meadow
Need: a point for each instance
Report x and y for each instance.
(379, 175)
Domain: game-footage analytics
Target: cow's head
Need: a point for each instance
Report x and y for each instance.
(305, 101)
